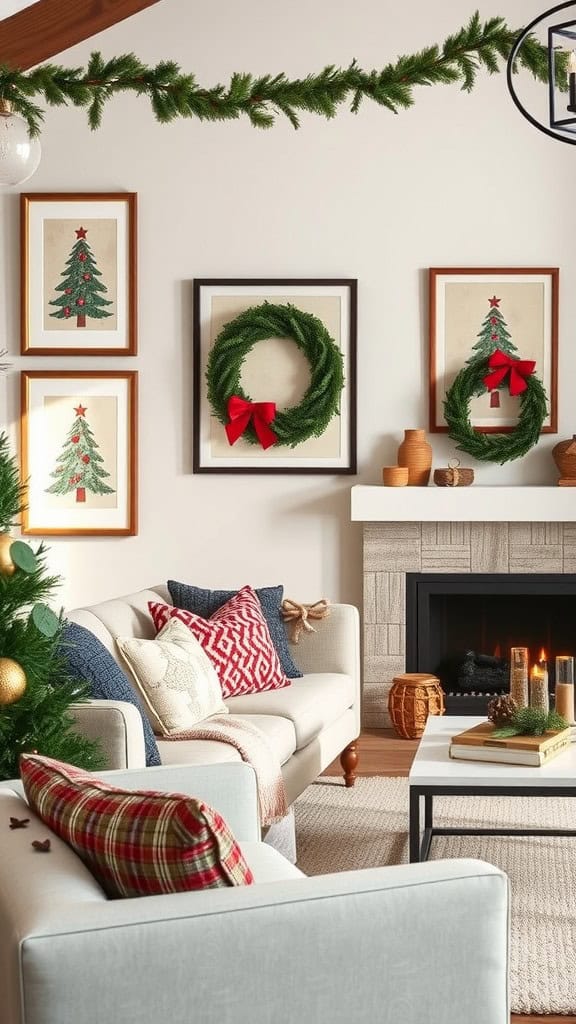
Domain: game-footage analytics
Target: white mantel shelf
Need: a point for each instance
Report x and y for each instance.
(474, 504)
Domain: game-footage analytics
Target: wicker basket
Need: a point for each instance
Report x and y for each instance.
(414, 696)
(454, 476)
(395, 476)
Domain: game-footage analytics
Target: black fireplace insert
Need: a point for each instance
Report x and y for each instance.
(461, 627)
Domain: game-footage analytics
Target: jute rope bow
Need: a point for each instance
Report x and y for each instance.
(299, 615)
(453, 467)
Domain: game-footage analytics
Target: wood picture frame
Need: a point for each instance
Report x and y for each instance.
(472, 308)
(79, 452)
(78, 274)
(276, 370)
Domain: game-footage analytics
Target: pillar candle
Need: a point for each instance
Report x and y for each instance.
(519, 675)
(539, 688)
(565, 687)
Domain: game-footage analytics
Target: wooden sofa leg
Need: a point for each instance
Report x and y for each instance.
(349, 760)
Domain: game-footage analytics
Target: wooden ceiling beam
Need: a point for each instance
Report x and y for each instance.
(48, 27)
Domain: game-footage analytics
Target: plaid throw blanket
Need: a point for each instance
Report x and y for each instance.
(254, 748)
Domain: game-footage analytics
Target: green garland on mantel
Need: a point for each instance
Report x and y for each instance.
(174, 94)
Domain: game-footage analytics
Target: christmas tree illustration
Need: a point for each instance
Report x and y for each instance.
(80, 466)
(81, 290)
(493, 334)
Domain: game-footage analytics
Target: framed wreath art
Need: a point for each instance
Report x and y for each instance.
(473, 312)
(274, 376)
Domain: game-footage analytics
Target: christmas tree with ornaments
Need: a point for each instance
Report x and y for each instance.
(80, 466)
(36, 690)
(493, 334)
(81, 290)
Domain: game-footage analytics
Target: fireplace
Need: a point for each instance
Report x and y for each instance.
(461, 627)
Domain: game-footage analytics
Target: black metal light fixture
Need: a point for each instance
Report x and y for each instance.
(561, 104)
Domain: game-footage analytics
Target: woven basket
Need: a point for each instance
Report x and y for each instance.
(453, 476)
(414, 696)
(395, 476)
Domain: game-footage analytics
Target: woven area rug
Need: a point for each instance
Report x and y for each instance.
(339, 829)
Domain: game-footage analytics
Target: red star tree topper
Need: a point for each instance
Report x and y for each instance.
(492, 335)
(80, 288)
(80, 466)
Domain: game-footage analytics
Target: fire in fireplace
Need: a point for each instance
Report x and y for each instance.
(461, 628)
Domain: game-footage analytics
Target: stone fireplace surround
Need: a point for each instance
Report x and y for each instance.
(420, 530)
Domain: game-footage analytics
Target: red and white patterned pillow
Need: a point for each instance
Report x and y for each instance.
(237, 640)
(134, 843)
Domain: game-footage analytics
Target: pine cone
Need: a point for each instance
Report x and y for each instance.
(501, 710)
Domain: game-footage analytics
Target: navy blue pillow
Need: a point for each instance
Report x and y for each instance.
(88, 659)
(206, 602)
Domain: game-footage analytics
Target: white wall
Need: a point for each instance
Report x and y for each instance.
(458, 180)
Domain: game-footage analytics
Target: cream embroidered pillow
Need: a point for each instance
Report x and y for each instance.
(176, 678)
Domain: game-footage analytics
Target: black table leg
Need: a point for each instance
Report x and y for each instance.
(428, 810)
(414, 826)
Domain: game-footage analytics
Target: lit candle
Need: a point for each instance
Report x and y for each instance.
(572, 80)
(539, 688)
(565, 687)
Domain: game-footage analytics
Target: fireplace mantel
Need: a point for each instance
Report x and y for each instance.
(475, 504)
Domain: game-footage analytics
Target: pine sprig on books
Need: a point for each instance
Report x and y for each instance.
(531, 722)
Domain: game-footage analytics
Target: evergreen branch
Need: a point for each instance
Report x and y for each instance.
(173, 93)
(11, 489)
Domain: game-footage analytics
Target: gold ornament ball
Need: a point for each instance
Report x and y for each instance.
(12, 681)
(7, 567)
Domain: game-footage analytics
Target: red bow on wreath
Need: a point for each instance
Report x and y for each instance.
(241, 412)
(518, 369)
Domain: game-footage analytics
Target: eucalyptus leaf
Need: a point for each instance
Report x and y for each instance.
(45, 620)
(23, 557)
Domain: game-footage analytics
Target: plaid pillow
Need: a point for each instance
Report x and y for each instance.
(134, 843)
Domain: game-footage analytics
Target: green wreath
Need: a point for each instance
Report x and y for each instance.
(322, 398)
(493, 447)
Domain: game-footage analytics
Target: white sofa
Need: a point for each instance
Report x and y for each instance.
(402, 944)
(309, 723)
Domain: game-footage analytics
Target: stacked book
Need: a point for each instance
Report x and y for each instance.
(479, 744)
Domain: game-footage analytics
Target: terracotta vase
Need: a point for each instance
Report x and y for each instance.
(564, 455)
(416, 454)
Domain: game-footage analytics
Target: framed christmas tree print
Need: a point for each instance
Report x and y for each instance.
(498, 326)
(78, 274)
(79, 452)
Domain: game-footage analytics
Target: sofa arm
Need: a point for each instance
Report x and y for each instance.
(335, 646)
(118, 728)
(230, 788)
(411, 943)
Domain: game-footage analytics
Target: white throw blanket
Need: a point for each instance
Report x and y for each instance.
(254, 748)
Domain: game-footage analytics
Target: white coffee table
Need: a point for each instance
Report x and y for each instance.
(434, 773)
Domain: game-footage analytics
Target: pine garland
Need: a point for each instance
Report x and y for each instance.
(493, 447)
(173, 93)
(321, 400)
(532, 722)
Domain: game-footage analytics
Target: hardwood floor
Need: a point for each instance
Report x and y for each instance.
(381, 752)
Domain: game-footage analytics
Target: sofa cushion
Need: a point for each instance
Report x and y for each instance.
(177, 680)
(206, 602)
(134, 843)
(88, 659)
(237, 641)
(311, 704)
